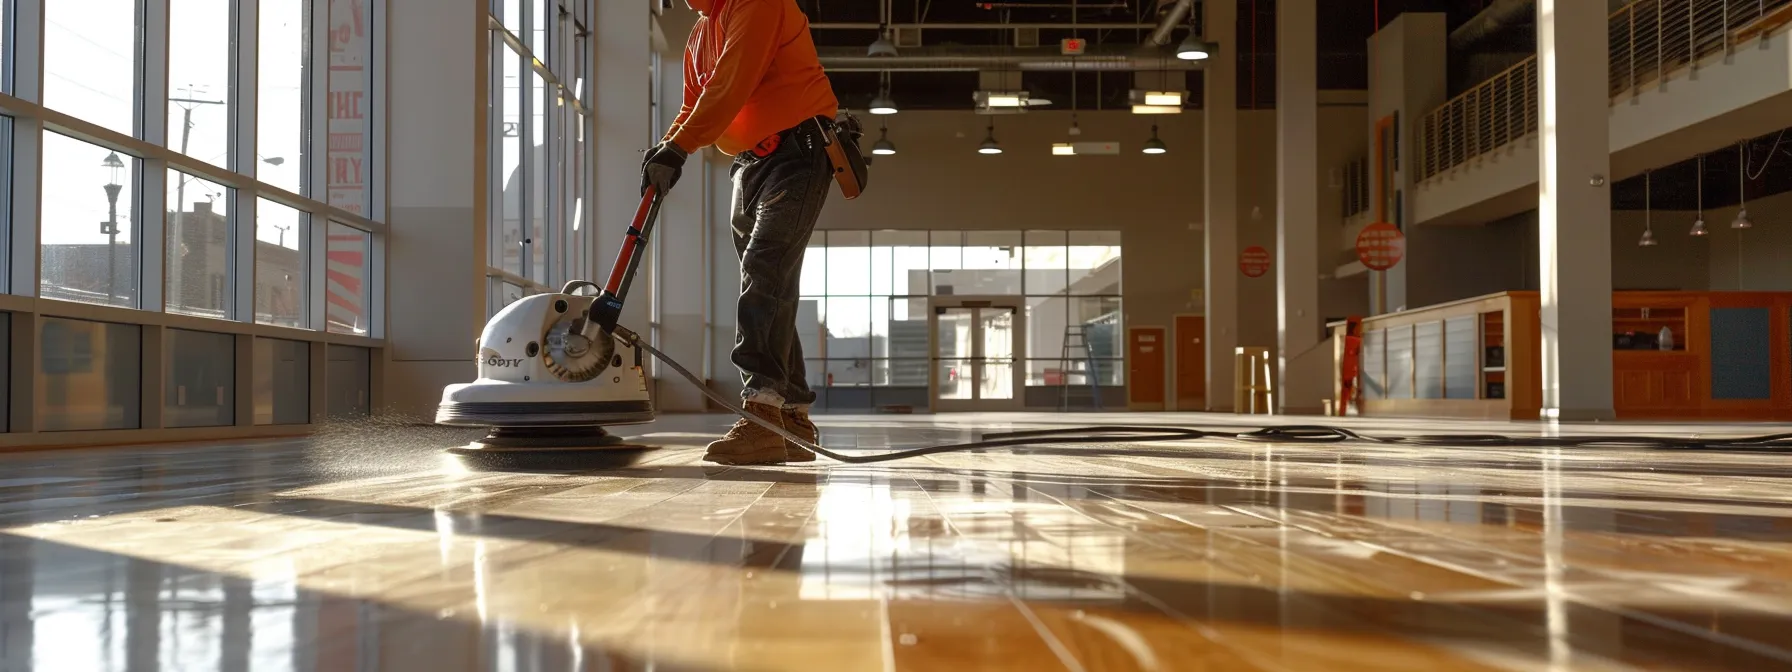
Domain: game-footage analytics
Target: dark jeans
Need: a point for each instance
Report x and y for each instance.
(777, 199)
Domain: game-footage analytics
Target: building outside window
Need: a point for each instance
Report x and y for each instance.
(540, 218)
(863, 317)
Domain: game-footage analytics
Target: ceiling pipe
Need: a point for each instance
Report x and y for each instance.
(1178, 13)
(982, 26)
(1127, 59)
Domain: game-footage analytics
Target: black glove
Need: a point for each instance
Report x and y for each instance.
(662, 167)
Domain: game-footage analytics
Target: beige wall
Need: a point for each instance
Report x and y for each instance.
(938, 181)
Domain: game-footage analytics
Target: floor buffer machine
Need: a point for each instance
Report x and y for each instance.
(556, 369)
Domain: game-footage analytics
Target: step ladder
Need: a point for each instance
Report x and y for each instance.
(1077, 339)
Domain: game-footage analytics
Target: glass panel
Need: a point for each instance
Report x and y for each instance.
(513, 15)
(281, 265)
(351, 53)
(507, 254)
(847, 321)
(855, 372)
(90, 375)
(350, 381)
(1428, 360)
(199, 56)
(1046, 319)
(83, 185)
(1460, 355)
(1045, 262)
(945, 254)
(1099, 317)
(540, 194)
(200, 368)
(282, 108)
(908, 373)
(884, 272)
(955, 379)
(952, 333)
(282, 382)
(814, 279)
(198, 268)
(1400, 363)
(849, 263)
(1094, 262)
(992, 262)
(347, 280)
(1374, 375)
(538, 23)
(995, 330)
(906, 329)
(909, 263)
(1741, 354)
(816, 372)
(91, 53)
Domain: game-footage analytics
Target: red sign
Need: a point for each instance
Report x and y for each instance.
(1072, 46)
(1254, 261)
(1380, 246)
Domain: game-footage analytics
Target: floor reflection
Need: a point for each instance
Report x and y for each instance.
(307, 556)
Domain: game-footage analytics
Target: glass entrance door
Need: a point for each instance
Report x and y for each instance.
(975, 345)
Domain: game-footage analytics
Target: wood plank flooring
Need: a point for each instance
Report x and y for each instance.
(369, 549)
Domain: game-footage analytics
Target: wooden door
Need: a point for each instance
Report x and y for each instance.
(1191, 362)
(1147, 364)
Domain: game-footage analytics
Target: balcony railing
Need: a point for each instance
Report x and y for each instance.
(1650, 39)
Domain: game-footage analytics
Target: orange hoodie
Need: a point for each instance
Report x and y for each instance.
(750, 71)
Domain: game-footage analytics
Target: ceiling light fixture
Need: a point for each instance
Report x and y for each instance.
(1648, 239)
(1742, 220)
(1698, 225)
(1193, 48)
(1154, 145)
(883, 47)
(884, 147)
(1063, 149)
(1156, 109)
(990, 146)
(883, 104)
(1168, 98)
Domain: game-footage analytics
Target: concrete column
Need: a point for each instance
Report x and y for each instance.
(624, 46)
(1574, 205)
(1220, 113)
(1304, 371)
(439, 64)
(681, 235)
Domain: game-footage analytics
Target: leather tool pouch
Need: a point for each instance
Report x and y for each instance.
(844, 157)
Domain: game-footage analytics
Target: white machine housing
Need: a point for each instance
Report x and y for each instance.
(522, 384)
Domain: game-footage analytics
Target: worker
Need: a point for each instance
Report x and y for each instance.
(754, 88)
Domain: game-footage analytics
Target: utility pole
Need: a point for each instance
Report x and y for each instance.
(177, 231)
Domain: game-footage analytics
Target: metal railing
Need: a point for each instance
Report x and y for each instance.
(1649, 40)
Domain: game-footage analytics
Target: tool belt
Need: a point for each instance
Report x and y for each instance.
(839, 139)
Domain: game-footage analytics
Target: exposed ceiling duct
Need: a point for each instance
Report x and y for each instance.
(1111, 59)
(1166, 27)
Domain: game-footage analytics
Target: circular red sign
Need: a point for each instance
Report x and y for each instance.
(1253, 261)
(1380, 246)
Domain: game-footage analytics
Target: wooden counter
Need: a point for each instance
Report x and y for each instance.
(1479, 358)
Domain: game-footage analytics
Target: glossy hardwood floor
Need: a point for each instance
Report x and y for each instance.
(368, 549)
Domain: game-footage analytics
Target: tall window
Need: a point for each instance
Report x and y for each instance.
(540, 146)
(863, 317)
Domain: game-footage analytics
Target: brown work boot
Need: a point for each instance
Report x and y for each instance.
(796, 421)
(749, 443)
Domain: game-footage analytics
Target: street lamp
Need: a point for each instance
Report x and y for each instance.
(114, 172)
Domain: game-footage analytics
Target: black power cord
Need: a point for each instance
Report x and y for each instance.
(1285, 434)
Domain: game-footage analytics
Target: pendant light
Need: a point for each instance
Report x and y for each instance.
(990, 146)
(883, 103)
(1698, 225)
(1742, 220)
(1648, 239)
(884, 147)
(1193, 48)
(1154, 145)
